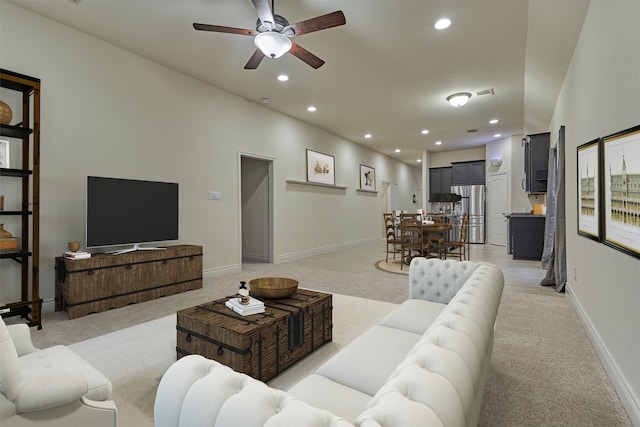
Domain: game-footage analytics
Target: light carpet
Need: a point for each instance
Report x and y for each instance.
(135, 358)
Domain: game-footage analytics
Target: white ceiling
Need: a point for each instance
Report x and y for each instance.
(387, 71)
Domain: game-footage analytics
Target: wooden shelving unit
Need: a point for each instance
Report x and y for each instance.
(27, 131)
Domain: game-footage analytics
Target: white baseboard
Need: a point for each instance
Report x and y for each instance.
(627, 397)
(213, 272)
(324, 249)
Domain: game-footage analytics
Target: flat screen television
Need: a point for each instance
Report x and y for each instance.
(130, 212)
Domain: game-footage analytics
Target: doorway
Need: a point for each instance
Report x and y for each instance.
(498, 208)
(256, 207)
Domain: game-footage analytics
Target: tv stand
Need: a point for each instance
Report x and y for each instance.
(106, 281)
(136, 248)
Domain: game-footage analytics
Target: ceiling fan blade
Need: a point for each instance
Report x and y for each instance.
(264, 11)
(223, 29)
(306, 56)
(255, 60)
(318, 23)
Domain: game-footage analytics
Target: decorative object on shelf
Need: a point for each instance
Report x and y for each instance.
(4, 154)
(320, 168)
(273, 287)
(244, 293)
(620, 210)
(367, 178)
(7, 241)
(5, 114)
(73, 246)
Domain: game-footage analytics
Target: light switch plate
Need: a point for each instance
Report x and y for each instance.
(215, 195)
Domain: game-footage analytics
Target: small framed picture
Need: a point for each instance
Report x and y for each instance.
(367, 178)
(320, 168)
(4, 154)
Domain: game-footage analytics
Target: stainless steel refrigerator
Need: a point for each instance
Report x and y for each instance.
(473, 203)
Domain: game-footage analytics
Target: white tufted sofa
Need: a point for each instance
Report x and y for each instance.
(424, 364)
(53, 387)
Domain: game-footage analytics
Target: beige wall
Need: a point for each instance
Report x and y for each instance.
(595, 101)
(108, 112)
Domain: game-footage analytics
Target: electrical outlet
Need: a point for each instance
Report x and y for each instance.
(215, 195)
(575, 274)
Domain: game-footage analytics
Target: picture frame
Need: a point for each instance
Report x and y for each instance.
(367, 178)
(620, 189)
(320, 168)
(4, 154)
(589, 190)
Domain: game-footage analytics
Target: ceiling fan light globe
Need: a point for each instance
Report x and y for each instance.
(272, 44)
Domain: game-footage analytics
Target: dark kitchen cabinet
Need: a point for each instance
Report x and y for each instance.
(536, 162)
(440, 181)
(468, 173)
(526, 236)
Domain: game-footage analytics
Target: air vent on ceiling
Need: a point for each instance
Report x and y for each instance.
(485, 92)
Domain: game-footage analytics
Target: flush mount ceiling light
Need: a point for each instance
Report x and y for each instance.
(459, 99)
(272, 44)
(442, 24)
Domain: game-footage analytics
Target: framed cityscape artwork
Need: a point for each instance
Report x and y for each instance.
(589, 194)
(367, 178)
(621, 190)
(320, 168)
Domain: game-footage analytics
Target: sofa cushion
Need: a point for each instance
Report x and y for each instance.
(366, 363)
(413, 315)
(63, 359)
(336, 398)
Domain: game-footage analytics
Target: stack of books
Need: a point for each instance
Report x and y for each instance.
(254, 307)
(77, 255)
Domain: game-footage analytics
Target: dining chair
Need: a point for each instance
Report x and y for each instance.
(458, 248)
(412, 238)
(394, 244)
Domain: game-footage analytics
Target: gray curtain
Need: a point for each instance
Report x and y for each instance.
(557, 259)
(550, 220)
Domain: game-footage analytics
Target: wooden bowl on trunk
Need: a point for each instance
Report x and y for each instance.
(272, 287)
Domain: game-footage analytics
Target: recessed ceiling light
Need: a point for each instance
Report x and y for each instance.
(443, 23)
(283, 77)
(424, 131)
(368, 135)
(397, 150)
(493, 121)
(497, 135)
(419, 160)
(311, 108)
(438, 142)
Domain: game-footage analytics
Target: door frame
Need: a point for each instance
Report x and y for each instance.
(270, 201)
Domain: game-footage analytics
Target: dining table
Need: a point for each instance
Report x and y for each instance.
(430, 229)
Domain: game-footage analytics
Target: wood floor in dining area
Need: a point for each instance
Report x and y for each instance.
(520, 275)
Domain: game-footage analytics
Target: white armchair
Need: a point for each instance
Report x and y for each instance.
(50, 387)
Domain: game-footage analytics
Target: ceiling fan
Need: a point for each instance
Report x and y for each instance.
(273, 34)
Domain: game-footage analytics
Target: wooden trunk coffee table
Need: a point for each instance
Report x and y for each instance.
(260, 345)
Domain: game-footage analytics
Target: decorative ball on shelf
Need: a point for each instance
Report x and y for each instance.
(5, 114)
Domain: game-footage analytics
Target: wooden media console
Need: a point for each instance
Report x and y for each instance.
(107, 281)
